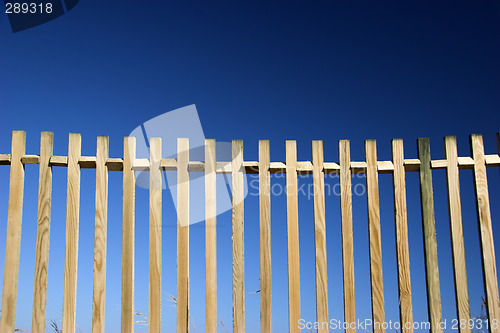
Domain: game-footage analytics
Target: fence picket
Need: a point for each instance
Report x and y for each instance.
(265, 236)
(13, 237)
(100, 239)
(128, 235)
(182, 235)
(375, 236)
(210, 237)
(320, 237)
(238, 238)
(72, 231)
(485, 231)
(155, 211)
(402, 248)
(429, 233)
(292, 237)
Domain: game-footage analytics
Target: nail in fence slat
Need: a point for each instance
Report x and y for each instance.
(456, 233)
(155, 200)
(375, 236)
(485, 231)
(210, 237)
(238, 246)
(293, 237)
(182, 235)
(13, 241)
(402, 249)
(72, 225)
(42, 233)
(265, 236)
(320, 237)
(429, 233)
(347, 236)
(100, 236)
(128, 236)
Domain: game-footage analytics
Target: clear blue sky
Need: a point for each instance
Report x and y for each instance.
(255, 70)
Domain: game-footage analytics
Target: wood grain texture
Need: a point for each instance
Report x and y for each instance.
(402, 248)
(456, 232)
(347, 234)
(210, 237)
(42, 233)
(72, 231)
(320, 237)
(155, 220)
(182, 235)
(375, 237)
(429, 235)
(292, 217)
(238, 238)
(485, 231)
(128, 235)
(265, 236)
(100, 235)
(13, 237)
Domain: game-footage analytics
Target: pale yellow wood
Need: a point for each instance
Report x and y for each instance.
(182, 235)
(128, 235)
(59, 161)
(72, 225)
(210, 238)
(486, 232)
(13, 237)
(265, 237)
(238, 238)
(347, 234)
(292, 215)
(155, 211)
(429, 235)
(100, 235)
(456, 233)
(320, 237)
(30, 159)
(4, 159)
(42, 233)
(402, 248)
(375, 237)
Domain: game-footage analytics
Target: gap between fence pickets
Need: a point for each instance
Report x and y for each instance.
(251, 167)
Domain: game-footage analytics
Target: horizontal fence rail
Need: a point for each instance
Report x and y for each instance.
(398, 166)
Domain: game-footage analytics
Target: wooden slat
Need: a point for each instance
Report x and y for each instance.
(292, 215)
(13, 237)
(238, 238)
(210, 237)
(485, 232)
(375, 237)
(72, 225)
(128, 235)
(320, 237)
(155, 211)
(4, 159)
(402, 248)
(42, 233)
(456, 233)
(347, 234)
(429, 234)
(265, 237)
(100, 235)
(182, 235)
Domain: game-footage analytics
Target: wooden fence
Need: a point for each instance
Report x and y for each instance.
(399, 165)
